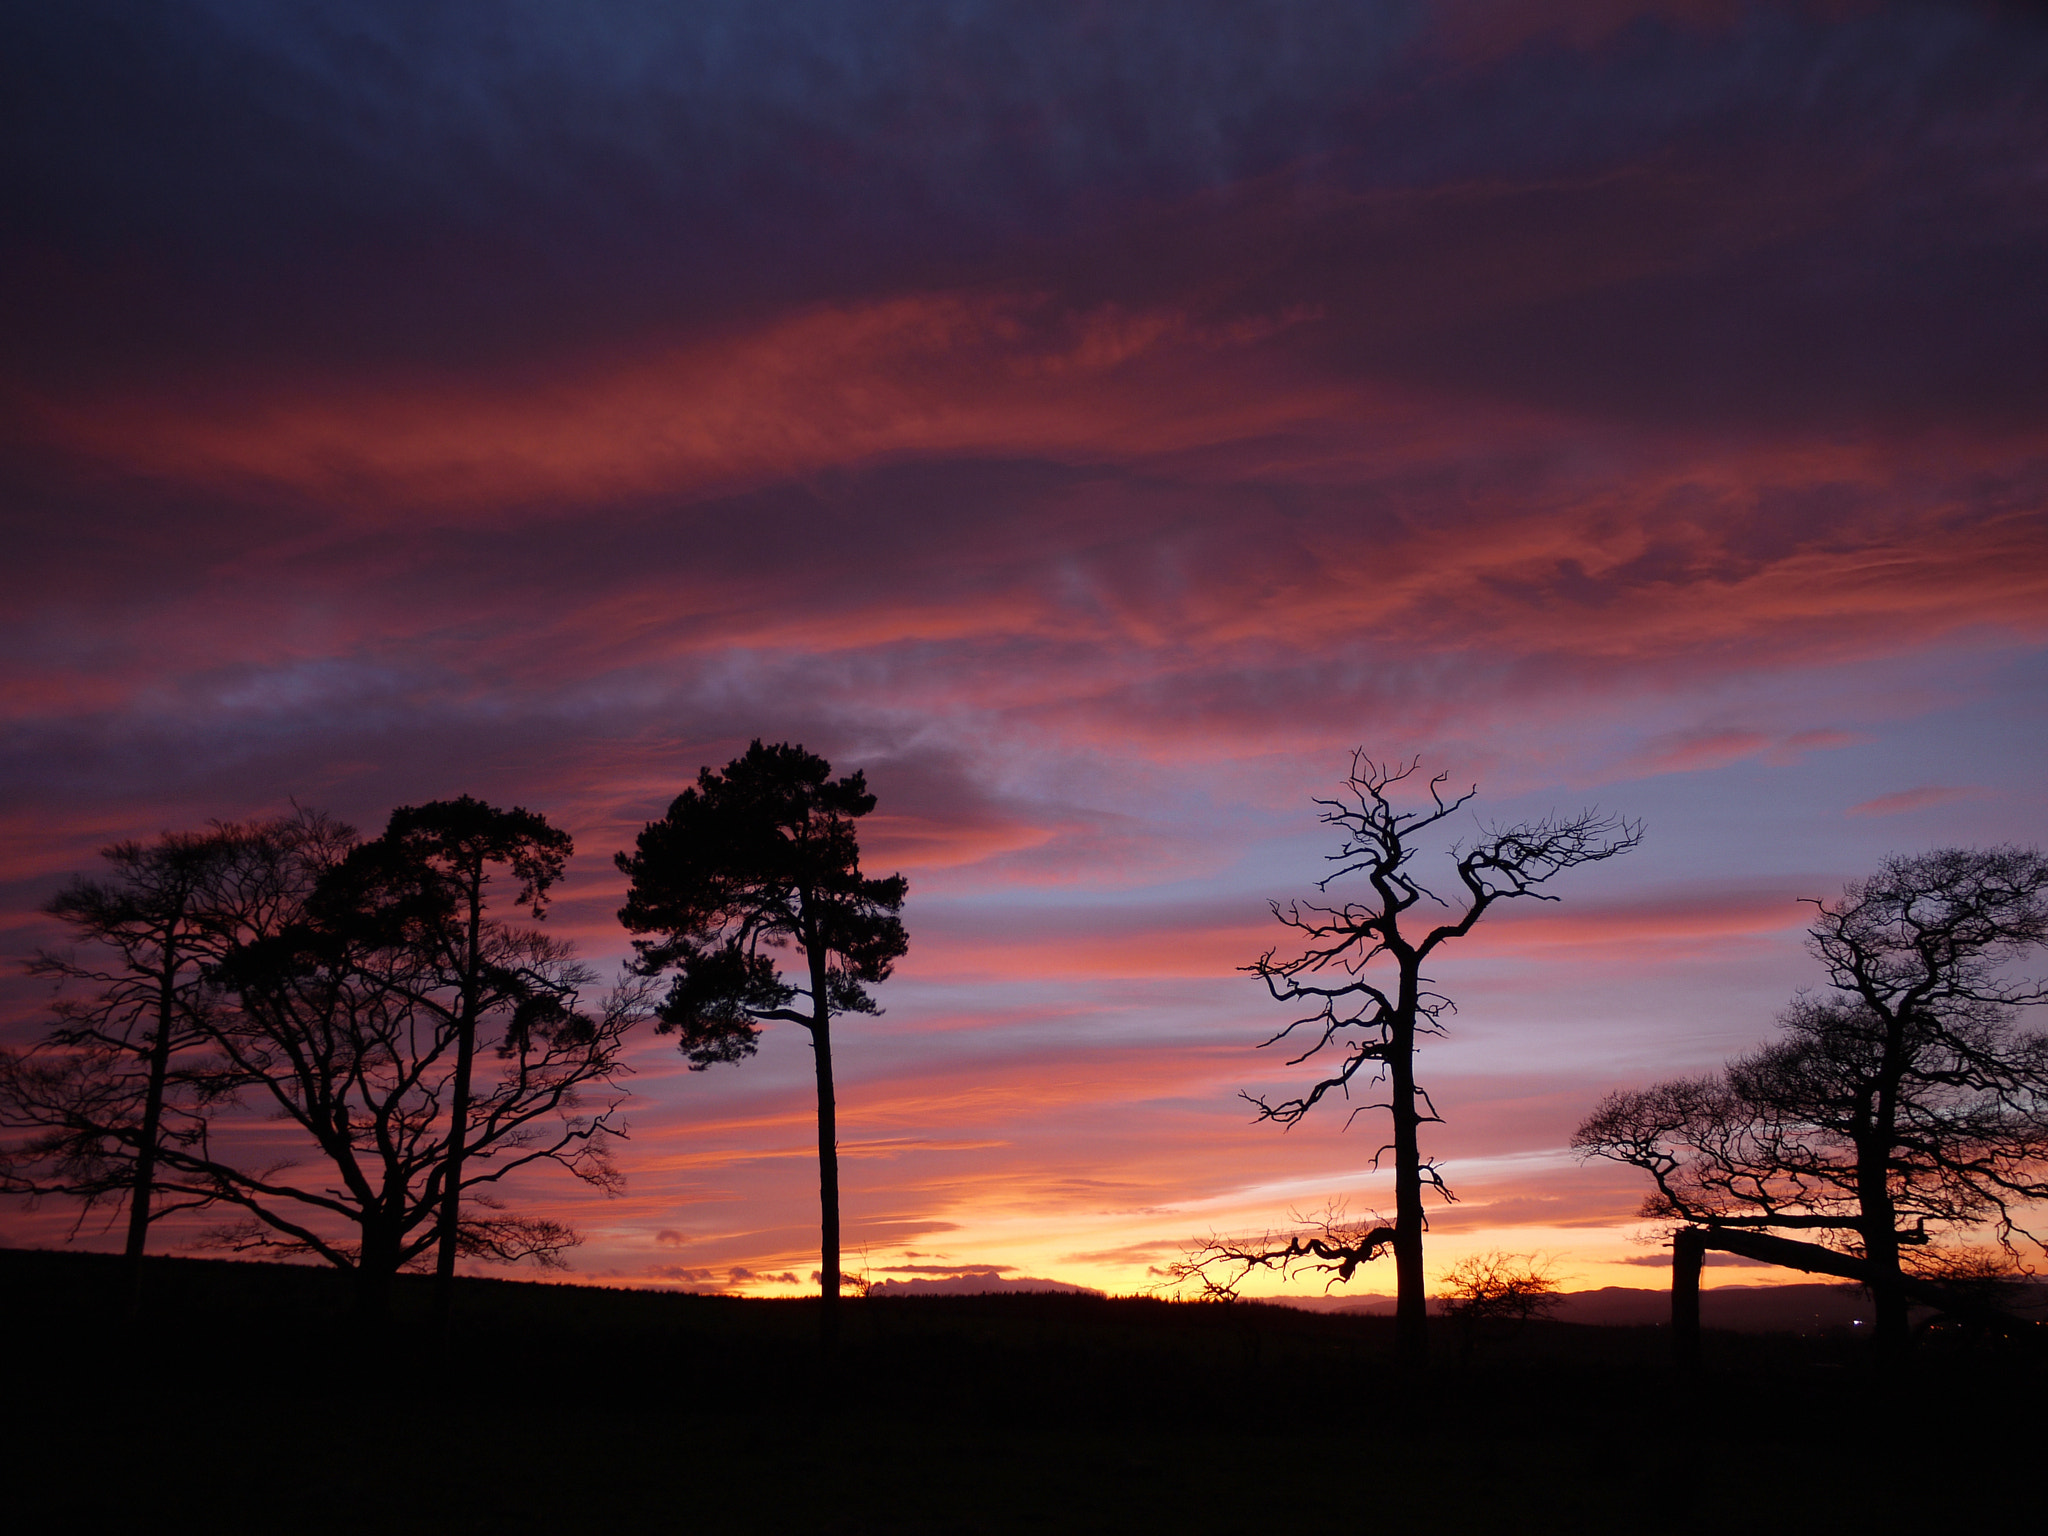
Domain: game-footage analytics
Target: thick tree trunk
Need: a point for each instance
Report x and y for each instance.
(1811, 1258)
(376, 1269)
(1688, 1254)
(1411, 1305)
(1878, 1218)
(1892, 1335)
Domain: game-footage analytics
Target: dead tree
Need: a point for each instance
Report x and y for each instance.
(1359, 973)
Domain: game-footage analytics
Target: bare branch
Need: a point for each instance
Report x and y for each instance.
(1327, 1244)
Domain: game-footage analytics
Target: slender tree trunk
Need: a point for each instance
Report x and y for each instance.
(1411, 1305)
(451, 1195)
(828, 1157)
(1688, 1254)
(143, 1195)
(458, 1117)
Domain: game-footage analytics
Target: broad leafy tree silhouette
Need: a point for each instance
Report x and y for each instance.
(424, 889)
(363, 1021)
(1901, 1110)
(1359, 974)
(761, 858)
(366, 1048)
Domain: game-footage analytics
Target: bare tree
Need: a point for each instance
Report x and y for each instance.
(110, 1084)
(1898, 1113)
(1495, 1290)
(1358, 972)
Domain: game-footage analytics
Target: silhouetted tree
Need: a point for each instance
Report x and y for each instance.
(109, 1085)
(422, 892)
(361, 1024)
(1898, 1111)
(1359, 974)
(343, 1017)
(764, 857)
(1486, 1292)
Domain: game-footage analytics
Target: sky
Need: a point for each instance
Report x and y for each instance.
(1093, 422)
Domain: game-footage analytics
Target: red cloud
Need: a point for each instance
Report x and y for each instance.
(1290, 466)
(1914, 799)
(925, 374)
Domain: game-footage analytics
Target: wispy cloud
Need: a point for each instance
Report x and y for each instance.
(1914, 799)
(1092, 427)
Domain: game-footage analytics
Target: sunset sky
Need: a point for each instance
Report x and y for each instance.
(1094, 421)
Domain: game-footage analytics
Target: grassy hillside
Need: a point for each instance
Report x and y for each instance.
(249, 1399)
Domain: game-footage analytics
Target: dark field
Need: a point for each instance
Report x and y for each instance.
(251, 1401)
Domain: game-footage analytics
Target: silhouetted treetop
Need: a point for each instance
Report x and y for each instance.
(430, 870)
(1931, 934)
(762, 857)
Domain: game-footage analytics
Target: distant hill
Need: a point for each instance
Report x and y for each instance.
(1804, 1309)
(975, 1284)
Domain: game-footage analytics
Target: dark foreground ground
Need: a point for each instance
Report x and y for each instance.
(249, 1400)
